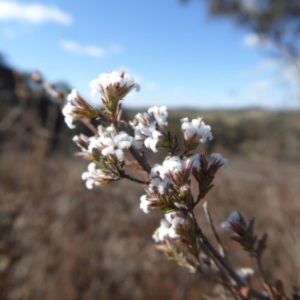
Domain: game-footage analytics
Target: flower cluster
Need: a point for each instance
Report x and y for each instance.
(170, 178)
(113, 85)
(169, 227)
(110, 143)
(107, 153)
(98, 176)
(168, 185)
(77, 108)
(148, 127)
(195, 131)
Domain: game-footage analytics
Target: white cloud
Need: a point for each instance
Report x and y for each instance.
(263, 68)
(90, 50)
(267, 65)
(94, 51)
(291, 73)
(283, 74)
(253, 40)
(290, 76)
(34, 13)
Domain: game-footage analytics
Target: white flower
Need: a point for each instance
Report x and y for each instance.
(90, 176)
(73, 95)
(159, 179)
(244, 273)
(175, 221)
(233, 217)
(162, 231)
(159, 184)
(111, 143)
(96, 176)
(193, 162)
(173, 170)
(146, 126)
(176, 165)
(152, 140)
(173, 164)
(81, 141)
(113, 83)
(68, 113)
(196, 129)
(220, 159)
(76, 109)
(160, 114)
(205, 131)
(168, 227)
(144, 205)
(174, 218)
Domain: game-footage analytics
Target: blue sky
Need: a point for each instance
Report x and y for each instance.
(179, 55)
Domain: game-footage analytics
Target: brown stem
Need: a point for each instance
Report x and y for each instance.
(124, 175)
(90, 126)
(225, 264)
(260, 268)
(216, 280)
(217, 237)
(224, 279)
(140, 158)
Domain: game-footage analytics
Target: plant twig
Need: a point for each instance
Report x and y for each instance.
(217, 237)
(226, 265)
(124, 175)
(90, 126)
(140, 158)
(260, 267)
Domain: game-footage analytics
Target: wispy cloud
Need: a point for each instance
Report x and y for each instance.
(253, 40)
(279, 72)
(76, 48)
(290, 75)
(266, 66)
(33, 13)
(90, 50)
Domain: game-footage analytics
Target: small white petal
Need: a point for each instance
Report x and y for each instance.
(226, 225)
(144, 205)
(173, 234)
(219, 157)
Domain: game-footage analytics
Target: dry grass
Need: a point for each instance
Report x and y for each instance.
(62, 241)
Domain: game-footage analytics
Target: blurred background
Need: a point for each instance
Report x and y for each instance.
(234, 62)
